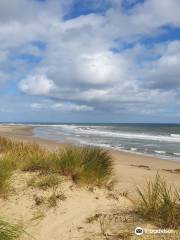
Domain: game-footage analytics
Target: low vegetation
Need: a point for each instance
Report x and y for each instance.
(53, 200)
(5, 144)
(45, 181)
(6, 170)
(113, 225)
(84, 165)
(9, 231)
(159, 203)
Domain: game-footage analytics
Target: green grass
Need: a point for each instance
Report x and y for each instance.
(7, 166)
(31, 157)
(160, 203)
(45, 181)
(9, 231)
(39, 160)
(86, 165)
(28, 156)
(82, 164)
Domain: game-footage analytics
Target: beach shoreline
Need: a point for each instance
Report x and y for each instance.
(126, 164)
(71, 218)
(25, 132)
(157, 141)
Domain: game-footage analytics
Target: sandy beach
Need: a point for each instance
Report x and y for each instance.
(89, 120)
(69, 220)
(129, 168)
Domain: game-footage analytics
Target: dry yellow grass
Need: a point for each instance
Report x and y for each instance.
(82, 164)
(160, 203)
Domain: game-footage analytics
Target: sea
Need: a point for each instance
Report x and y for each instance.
(159, 140)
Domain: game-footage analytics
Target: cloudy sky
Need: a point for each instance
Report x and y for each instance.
(90, 60)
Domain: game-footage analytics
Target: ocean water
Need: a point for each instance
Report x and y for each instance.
(160, 140)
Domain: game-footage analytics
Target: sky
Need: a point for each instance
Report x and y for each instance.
(90, 61)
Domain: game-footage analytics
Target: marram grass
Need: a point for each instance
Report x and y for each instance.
(7, 166)
(9, 231)
(87, 165)
(45, 181)
(6, 144)
(159, 203)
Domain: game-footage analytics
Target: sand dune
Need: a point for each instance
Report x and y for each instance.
(76, 215)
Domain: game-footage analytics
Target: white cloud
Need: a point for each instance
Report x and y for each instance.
(37, 85)
(71, 107)
(153, 14)
(102, 67)
(36, 106)
(164, 72)
(60, 107)
(80, 69)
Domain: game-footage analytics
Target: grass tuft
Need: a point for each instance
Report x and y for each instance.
(52, 200)
(159, 203)
(86, 165)
(7, 166)
(45, 181)
(9, 231)
(34, 158)
(5, 144)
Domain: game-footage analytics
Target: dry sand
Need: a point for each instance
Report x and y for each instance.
(69, 219)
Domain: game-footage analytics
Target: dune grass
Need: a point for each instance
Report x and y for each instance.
(39, 160)
(31, 157)
(9, 231)
(82, 164)
(160, 203)
(5, 144)
(45, 181)
(88, 165)
(7, 166)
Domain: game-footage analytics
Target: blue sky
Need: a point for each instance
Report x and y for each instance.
(90, 60)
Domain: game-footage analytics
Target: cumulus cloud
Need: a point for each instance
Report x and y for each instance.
(93, 62)
(37, 85)
(164, 73)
